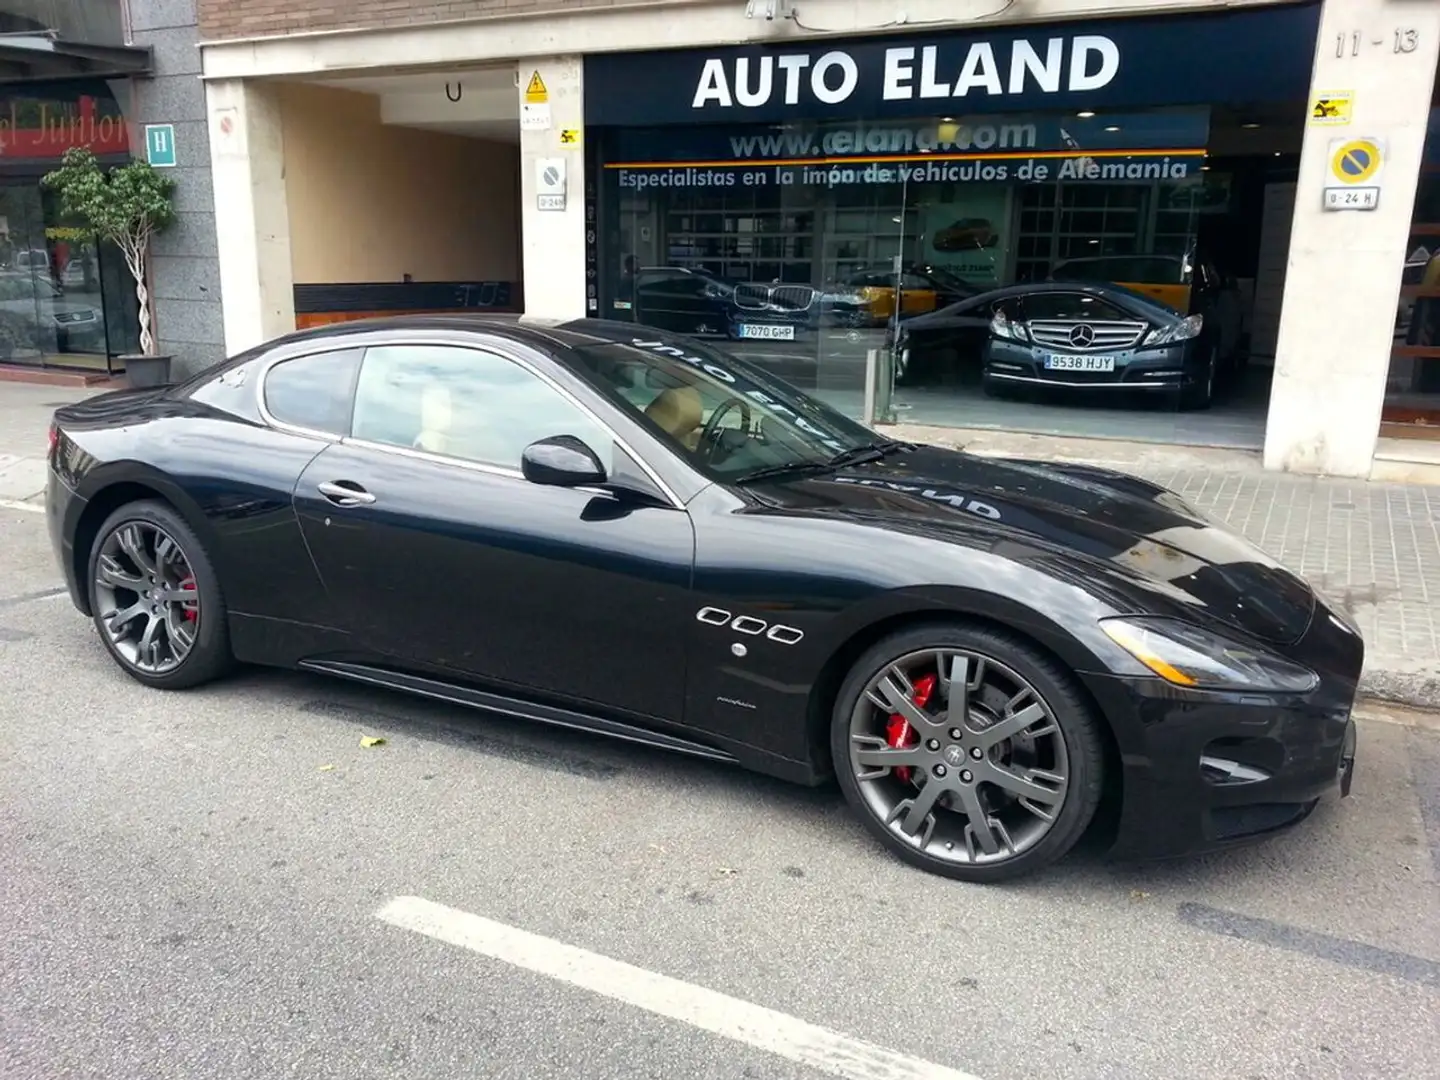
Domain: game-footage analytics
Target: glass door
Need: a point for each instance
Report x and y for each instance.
(25, 276)
(52, 311)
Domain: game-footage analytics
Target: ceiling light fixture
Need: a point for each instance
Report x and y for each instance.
(1086, 115)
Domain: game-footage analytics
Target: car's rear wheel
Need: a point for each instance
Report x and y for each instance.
(967, 752)
(156, 600)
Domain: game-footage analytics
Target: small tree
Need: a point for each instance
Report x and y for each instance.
(125, 206)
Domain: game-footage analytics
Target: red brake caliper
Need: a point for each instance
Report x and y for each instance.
(192, 607)
(898, 731)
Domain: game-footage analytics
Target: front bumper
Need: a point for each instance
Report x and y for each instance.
(1168, 368)
(1206, 771)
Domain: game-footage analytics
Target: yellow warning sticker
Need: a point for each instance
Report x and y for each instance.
(1333, 107)
(569, 136)
(535, 92)
(1355, 161)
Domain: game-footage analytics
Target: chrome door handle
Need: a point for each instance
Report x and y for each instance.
(341, 495)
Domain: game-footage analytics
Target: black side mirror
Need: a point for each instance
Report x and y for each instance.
(561, 461)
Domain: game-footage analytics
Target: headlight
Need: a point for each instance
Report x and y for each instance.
(1002, 327)
(1187, 656)
(1184, 330)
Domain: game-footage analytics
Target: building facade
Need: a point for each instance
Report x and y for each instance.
(95, 75)
(804, 179)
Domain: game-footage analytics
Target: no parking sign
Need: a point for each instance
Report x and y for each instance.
(1354, 168)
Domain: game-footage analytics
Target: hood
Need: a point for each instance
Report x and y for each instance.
(1140, 531)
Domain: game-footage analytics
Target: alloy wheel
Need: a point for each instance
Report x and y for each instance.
(146, 597)
(959, 756)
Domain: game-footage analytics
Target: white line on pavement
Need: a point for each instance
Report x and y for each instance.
(771, 1031)
(12, 504)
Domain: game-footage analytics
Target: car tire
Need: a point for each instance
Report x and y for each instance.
(946, 840)
(1202, 395)
(128, 571)
(992, 388)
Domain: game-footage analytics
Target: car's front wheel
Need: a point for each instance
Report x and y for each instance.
(967, 752)
(156, 599)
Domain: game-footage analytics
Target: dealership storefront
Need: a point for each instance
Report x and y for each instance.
(806, 202)
(810, 197)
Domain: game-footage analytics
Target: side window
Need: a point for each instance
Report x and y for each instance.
(464, 403)
(313, 392)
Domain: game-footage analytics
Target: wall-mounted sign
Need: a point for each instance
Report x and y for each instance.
(160, 145)
(1353, 172)
(535, 108)
(550, 184)
(1114, 64)
(570, 137)
(1332, 107)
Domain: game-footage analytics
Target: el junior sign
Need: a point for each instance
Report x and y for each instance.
(1252, 55)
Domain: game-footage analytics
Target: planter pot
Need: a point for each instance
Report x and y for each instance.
(147, 371)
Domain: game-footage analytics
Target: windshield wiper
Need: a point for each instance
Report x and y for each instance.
(790, 468)
(859, 455)
(856, 455)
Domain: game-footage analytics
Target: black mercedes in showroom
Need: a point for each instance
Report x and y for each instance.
(605, 527)
(1089, 338)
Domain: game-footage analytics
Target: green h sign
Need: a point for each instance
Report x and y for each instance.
(160, 145)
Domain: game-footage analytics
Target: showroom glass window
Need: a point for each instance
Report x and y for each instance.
(1412, 392)
(65, 301)
(806, 268)
(464, 403)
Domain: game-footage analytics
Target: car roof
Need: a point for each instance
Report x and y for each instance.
(530, 330)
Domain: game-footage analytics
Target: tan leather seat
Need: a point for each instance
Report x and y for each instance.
(680, 412)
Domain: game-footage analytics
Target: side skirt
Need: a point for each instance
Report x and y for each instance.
(524, 710)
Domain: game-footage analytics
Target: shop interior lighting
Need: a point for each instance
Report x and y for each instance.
(1086, 115)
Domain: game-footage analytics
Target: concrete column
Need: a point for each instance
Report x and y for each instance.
(1342, 281)
(252, 219)
(553, 241)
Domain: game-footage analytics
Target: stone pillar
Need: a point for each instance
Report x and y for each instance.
(1342, 280)
(252, 220)
(553, 241)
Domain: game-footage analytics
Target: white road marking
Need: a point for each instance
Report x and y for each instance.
(775, 1032)
(12, 504)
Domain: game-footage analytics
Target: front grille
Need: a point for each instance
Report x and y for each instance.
(793, 296)
(1102, 336)
(752, 296)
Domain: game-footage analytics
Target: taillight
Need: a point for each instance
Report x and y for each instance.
(52, 439)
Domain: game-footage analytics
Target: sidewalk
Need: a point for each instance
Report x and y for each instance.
(1374, 548)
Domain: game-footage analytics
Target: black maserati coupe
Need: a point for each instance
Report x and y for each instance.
(600, 526)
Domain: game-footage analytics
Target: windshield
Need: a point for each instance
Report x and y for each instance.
(727, 417)
(1136, 269)
(952, 280)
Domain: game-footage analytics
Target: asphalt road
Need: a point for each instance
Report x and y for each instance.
(191, 886)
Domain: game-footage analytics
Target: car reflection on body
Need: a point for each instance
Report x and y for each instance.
(1064, 335)
(610, 527)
